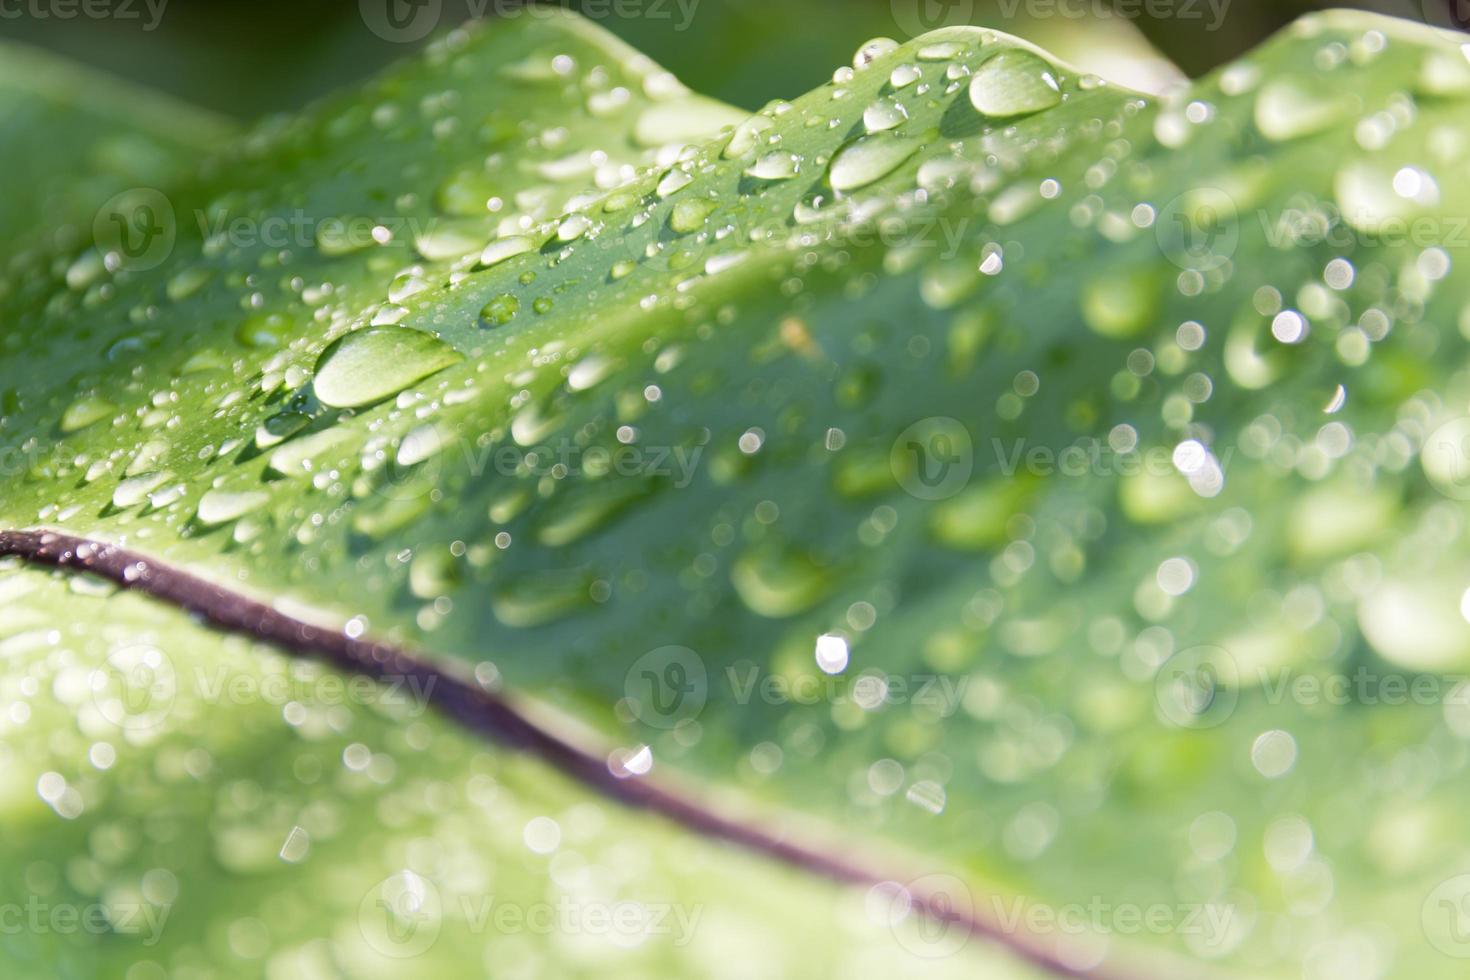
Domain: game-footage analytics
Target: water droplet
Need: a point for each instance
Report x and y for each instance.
(1014, 83)
(747, 136)
(405, 285)
(573, 227)
(690, 214)
(84, 412)
(298, 457)
(873, 50)
(1285, 110)
(1121, 304)
(222, 506)
(574, 519)
(373, 363)
(869, 158)
(673, 182)
(776, 165)
(831, 653)
(1444, 74)
(188, 282)
(135, 489)
(905, 75)
(776, 582)
(450, 239)
(944, 51)
(498, 251)
(688, 120)
(884, 114)
(342, 236)
(465, 192)
(420, 443)
(1372, 200)
(500, 310)
(263, 330)
(539, 599)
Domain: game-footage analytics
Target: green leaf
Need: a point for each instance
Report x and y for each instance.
(1003, 449)
(185, 800)
(74, 138)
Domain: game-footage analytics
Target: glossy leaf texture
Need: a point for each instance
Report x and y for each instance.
(968, 455)
(75, 138)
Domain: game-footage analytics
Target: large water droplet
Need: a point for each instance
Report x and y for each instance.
(690, 214)
(777, 583)
(371, 364)
(1418, 625)
(500, 310)
(135, 489)
(1121, 304)
(776, 165)
(1014, 83)
(223, 506)
(1285, 110)
(84, 412)
(869, 158)
(535, 600)
(498, 251)
(884, 114)
(747, 136)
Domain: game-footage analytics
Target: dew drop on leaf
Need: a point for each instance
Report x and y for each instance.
(869, 158)
(223, 506)
(373, 363)
(1014, 83)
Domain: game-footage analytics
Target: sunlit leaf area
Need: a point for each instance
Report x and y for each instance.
(734, 489)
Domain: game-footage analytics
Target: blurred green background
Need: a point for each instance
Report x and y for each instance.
(249, 57)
